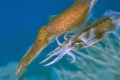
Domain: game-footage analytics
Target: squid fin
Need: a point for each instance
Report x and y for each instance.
(115, 16)
(89, 17)
(117, 24)
(50, 17)
(109, 13)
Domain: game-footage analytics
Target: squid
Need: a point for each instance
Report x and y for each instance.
(69, 20)
(94, 32)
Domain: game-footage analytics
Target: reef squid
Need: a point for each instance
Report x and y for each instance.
(69, 20)
(94, 32)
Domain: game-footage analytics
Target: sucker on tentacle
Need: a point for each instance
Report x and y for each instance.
(96, 31)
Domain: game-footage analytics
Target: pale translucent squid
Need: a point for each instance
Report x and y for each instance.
(69, 20)
(97, 30)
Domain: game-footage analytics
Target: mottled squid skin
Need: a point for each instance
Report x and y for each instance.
(68, 20)
(72, 17)
(100, 28)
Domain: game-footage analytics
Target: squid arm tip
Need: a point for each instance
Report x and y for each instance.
(41, 62)
(46, 65)
(19, 75)
(49, 64)
(16, 73)
(72, 61)
(45, 60)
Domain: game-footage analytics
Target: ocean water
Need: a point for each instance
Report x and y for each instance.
(20, 21)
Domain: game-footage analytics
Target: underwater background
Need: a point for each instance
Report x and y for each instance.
(20, 21)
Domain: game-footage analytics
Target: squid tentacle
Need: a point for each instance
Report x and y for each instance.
(51, 54)
(58, 42)
(71, 55)
(56, 59)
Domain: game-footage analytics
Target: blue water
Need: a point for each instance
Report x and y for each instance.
(21, 19)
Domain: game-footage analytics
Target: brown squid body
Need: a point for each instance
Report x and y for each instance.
(68, 20)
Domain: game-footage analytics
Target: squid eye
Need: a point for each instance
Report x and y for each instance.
(79, 45)
(52, 39)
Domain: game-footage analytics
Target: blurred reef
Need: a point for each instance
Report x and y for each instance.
(8, 72)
